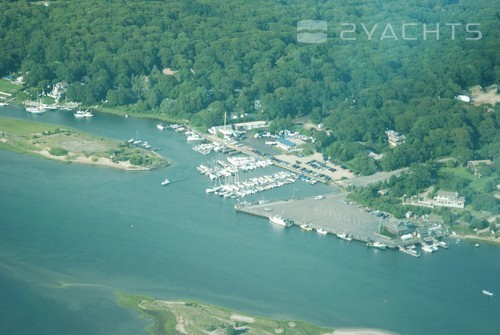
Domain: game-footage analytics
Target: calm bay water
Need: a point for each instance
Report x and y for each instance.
(73, 235)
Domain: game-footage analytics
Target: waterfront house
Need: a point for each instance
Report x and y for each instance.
(59, 90)
(448, 199)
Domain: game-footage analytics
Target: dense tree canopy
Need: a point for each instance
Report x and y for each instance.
(384, 66)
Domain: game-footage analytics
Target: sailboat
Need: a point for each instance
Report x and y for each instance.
(38, 108)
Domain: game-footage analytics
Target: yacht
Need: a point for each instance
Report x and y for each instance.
(279, 221)
(305, 226)
(38, 108)
(344, 236)
(319, 197)
(83, 114)
(409, 251)
(35, 110)
(377, 245)
(427, 248)
(488, 293)
(194, 137)
(322, 231)
(160, 126)
(166, 181)
(443, 244)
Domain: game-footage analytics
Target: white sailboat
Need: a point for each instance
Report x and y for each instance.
(38, 108)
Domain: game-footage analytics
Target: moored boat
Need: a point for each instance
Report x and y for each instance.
(322, 231)
(427, 248)
(488, 293)
(83, 114)
(306, 227)
(377, 245)
(409, 251)
(280, 221)
(344, 236)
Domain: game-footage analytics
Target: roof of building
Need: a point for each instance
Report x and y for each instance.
(286, 142)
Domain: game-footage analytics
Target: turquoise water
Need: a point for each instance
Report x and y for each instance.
(98, 231)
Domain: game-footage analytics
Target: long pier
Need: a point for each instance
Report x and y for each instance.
(329, 214)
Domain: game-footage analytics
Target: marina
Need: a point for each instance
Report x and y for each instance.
(214, 253)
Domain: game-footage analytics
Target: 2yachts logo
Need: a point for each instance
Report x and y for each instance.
(316, 31)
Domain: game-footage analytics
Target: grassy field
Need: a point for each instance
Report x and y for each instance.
(70, 145)
(8, 87)
(475, 182)
(187, 317)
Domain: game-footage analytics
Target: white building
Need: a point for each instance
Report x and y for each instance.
(395, 138)
(449, 199)
(250, 125)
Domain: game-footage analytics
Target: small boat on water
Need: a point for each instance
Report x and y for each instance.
(344, 236)
(443, 244)
(409, 251)
(280, 221)
(36, 108)
(306, 227)
(83, 114)
(488, 293)
(427, 248)
(166, 181)
(319, 197)
(476, 245)
(377, 245)
(322, 231)
(160, 126)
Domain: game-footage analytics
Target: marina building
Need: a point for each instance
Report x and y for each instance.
(286, 145)
(244, 126)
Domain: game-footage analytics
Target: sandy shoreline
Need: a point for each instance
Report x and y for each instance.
(92, 161)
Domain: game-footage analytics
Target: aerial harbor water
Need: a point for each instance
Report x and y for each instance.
(73, 235)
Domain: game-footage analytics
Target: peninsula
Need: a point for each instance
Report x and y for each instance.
(187, 317)
(69, 145)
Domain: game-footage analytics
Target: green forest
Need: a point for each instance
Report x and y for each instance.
(196, 60)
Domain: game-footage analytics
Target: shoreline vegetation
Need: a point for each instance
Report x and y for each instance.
(71, 146)
(189, 317)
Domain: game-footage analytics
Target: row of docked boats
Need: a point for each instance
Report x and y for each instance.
(240, 189)
(206, 148)
(220, 168)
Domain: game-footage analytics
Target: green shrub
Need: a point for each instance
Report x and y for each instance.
(58, 152)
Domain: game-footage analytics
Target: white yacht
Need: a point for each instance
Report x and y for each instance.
(427, 248)
(279, 221)
(377, 245)
(345, 236)
(83, 114)
(322, 231)
(165, 182)
(306, 227)
(488, 293)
